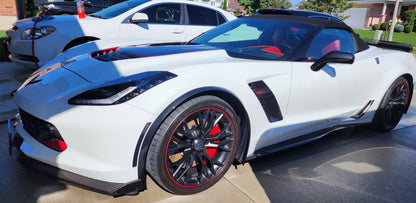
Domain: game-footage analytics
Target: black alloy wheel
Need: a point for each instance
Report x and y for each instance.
(393, 106)
(194, 146)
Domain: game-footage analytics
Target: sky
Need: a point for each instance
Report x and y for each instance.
(295, 2)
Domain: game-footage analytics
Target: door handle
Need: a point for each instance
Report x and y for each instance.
(177, 31)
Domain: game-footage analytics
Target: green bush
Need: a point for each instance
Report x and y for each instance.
(410, 17)
(376, 27)
(31, 9)
(407, 15)
(398, 28)
(384, 26)
(408, 28)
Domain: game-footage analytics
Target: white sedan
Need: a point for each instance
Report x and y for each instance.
(184, 112)
(174, 20)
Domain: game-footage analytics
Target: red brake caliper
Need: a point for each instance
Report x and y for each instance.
(211, 150)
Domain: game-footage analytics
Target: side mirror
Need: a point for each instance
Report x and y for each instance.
(139, 18)
(333, 57)
(87, 3)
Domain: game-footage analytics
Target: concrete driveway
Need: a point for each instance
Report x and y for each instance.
(351, 165)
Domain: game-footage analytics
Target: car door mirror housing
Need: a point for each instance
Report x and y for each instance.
(139, 18)
(333, 57)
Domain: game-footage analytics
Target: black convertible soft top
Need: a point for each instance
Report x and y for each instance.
(313, 18)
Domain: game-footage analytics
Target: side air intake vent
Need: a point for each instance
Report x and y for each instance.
(267, 100)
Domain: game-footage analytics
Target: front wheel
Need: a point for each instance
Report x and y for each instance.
(194, 146)
(393, 106)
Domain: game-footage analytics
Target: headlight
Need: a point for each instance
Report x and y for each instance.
(39, 32)
(121, 90)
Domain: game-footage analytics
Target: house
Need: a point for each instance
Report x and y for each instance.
(232, 5)
(366, 13)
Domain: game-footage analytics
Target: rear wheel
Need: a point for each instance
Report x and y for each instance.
(194, 146)
(393, 106)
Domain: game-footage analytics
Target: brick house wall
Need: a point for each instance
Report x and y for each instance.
(235, 5)
(375, 9)
(8, 8)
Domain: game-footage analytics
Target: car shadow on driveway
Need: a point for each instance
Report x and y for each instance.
(349, 165)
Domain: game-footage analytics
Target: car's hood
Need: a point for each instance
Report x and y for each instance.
(109, 64)
(63, 20)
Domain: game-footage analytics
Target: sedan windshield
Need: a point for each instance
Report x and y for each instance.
(118, 9)
(258, 38)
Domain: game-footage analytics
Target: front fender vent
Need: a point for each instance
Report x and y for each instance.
(267, 100)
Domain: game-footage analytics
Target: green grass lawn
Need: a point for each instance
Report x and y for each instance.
(3, 34)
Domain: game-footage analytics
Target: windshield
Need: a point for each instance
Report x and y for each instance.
(118, 9)
(258, 38)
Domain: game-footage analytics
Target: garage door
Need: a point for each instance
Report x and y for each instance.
(357, 17)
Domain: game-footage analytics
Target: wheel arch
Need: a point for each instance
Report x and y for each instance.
(78, 41)
(150, 129)
(409, 78)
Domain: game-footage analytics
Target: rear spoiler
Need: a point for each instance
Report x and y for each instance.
(389, 45)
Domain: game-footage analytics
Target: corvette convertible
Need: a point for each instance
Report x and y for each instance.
(184, 112)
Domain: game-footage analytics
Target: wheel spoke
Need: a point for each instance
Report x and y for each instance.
(203, 118)
(186, 132)
(223, 134)
(210, 163)
(188, 165)
(211, 124)
(202, 170)
(182, 163)
(178, 148)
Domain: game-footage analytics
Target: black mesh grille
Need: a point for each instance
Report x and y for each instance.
(37, 128)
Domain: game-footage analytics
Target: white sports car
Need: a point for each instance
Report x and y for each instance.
(175, 20)
(184, 112)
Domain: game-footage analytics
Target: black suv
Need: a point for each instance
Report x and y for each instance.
(70, 7)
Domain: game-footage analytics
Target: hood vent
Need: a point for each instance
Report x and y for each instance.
(112, 54)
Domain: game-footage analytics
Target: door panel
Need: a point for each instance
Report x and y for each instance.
(164, 23)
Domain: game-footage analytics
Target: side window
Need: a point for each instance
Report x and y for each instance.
(221, 19)
(164, 13)
(202, 16)
(331, 40)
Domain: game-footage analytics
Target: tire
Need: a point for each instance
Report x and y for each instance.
(194, 147)
(393, 106)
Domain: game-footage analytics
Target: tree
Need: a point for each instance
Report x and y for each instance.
(333, 7)
(280, 3)
(251, 6)
(224, 5)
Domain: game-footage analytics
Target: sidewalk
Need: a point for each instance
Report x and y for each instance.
(11, 77)
(6, 22)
